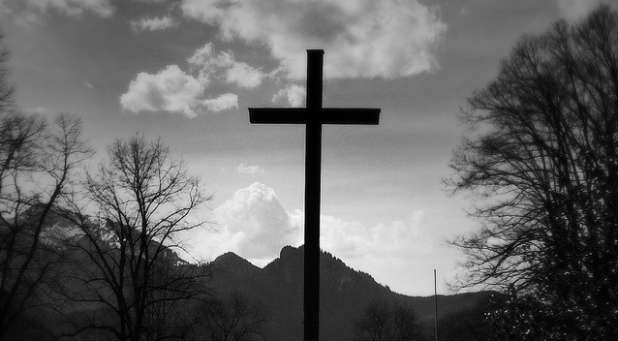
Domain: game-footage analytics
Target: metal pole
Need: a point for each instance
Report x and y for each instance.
(435, 301)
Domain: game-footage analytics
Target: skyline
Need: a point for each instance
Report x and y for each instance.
(187, 71)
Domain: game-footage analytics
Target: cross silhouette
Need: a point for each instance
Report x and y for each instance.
(313, 116)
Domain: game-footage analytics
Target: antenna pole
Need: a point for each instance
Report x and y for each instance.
(435, 302)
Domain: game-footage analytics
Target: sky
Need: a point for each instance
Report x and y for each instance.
(187, 70)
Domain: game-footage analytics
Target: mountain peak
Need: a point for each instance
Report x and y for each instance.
(290, 251)
(234, 262)
(228, 256)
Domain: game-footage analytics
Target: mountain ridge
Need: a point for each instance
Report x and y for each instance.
(345, 293)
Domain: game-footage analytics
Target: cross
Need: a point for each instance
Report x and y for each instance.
(313, 116)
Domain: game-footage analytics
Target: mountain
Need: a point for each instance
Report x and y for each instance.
(231, 262)
(344, 294)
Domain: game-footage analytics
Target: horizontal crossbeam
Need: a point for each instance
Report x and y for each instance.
(324, 115)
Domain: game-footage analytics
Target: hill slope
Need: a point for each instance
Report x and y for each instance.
(344, 294)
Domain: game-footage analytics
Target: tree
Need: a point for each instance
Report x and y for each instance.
(37, 166)
(474, 323)
(508, 313)
(142, 200)
(233, 318)
(405, 324)
(544, 159)
(382, 320)
(373, 325)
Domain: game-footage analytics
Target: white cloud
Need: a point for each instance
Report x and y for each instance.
(210, 64)
(246, 169)
(294, 94)
(203, 62)
(152, 23)
(223, 102)
(364, 38)
(254, 224)
(207, 10)
(353, 240)
(27, 13)
(172, 90)
(243, 75)
(102, 8)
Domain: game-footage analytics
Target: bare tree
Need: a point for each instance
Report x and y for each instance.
(141, 200)
(544, 158)
(37, 165)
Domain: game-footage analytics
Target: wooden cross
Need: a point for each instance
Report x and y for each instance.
(313, 116)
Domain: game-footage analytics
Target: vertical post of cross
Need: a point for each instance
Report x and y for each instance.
(313, 147)
(313, 116)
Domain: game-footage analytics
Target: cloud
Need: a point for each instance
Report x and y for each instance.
(364, 38)
(28, 13)
(353, 240)
(172, 90)
(294, 94)
(210, 64)
(152, 23)
(254, 224)
(246, 169)
(223, 102)
(102, 8)
(243, 75)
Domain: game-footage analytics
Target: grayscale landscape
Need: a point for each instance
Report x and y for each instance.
(309, 170)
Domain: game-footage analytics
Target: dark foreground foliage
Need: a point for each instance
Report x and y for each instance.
(544, 158)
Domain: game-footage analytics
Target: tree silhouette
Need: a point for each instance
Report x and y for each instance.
(544, 159)
(373, 325)
(142, 200)
(233, 317)
(383, 320)
(37, 167)
(404, 322)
